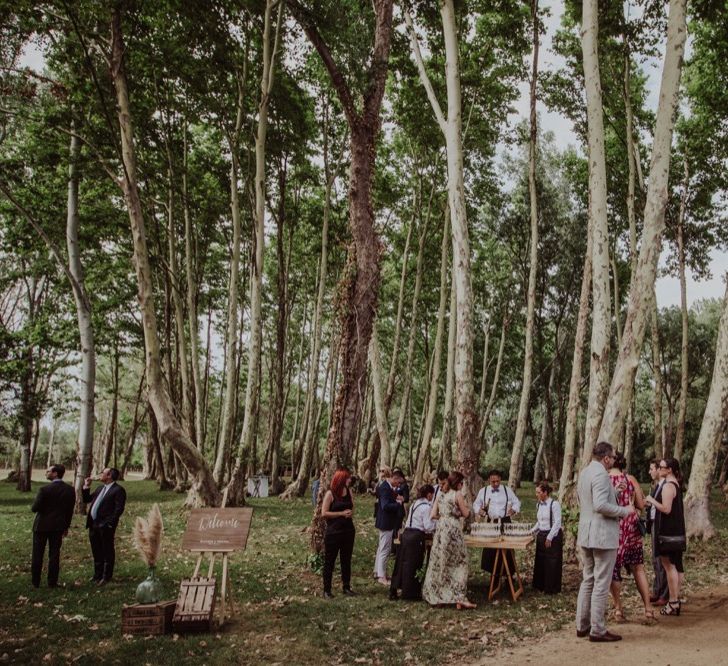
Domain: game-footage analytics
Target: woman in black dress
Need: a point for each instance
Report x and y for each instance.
(337, 510)
(411, 551)
(548, 561)
(670, 523)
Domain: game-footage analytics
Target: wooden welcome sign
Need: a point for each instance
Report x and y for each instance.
(217, 530)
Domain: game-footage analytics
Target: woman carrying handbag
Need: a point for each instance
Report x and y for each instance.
(670, 530)
(630, 552)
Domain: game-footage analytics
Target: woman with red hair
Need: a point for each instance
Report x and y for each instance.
(337, 510)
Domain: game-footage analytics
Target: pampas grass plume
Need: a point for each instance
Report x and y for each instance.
(148, 534)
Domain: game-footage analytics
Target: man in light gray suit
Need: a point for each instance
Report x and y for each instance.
(598, 540)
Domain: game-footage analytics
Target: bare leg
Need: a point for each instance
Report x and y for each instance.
(673, 578)
(640, 579)
(615, 588)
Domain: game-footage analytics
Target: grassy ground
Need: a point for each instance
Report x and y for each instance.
(283, 618)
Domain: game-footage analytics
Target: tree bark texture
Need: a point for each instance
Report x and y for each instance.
(204, 489)
(601, 310)
(360, 284)
(641, 292)
(514, 475)
(245, 461)
(683, 404)
(715, 417)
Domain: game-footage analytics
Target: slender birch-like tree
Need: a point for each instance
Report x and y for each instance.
(715, 417)
(468, 449)
(641, 291)
(514, 475)
(243, 462)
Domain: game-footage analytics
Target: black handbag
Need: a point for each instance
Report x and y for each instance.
(641, 526)
(671, 544)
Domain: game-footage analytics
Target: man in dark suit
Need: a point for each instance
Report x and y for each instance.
(388, 519)
(106, 506)
(53, 508)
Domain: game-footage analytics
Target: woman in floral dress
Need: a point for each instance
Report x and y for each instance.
(630, 552)
(446, 580)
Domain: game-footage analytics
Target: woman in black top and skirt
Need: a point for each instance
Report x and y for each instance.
(670, 523)
(548, 561)
(337, 510)
(411, 551)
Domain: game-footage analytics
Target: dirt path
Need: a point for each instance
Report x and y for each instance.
(699, 637)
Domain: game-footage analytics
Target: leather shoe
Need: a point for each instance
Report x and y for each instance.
(583, 633)
(103, 582)
(328, 595)
(606, 637)
(347, 591)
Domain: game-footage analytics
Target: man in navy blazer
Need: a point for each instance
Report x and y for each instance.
(388, 519)
(53, 508)
(106, 506)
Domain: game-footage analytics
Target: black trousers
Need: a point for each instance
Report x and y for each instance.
(102, 549)
(341, 544)
(54, 540)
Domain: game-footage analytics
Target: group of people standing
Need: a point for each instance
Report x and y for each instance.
(611, 539)
(54, 505)
(437, 512)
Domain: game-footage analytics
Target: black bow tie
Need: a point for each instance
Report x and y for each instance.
(494, 490)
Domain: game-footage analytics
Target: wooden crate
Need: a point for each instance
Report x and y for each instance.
(195, 606)
(148, 619)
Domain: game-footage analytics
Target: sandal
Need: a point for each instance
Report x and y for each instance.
(650, 617)
(671, 608)
(619, 616)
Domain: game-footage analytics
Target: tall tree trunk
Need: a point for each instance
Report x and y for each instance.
(424, 452)
(192, 313)
(658, 441)
(380, 413)
(632, 159)
(715, 417)
(204, 489)
(572, 410)
(514, 475)
(188, 418)
(227, 426)
(445, 456)
(135, 423)
(277, 410)
(407, 374)
(109, 444)
(641, 292)
(601, 311)
(236, 487)
(85, 327)
(361, 280)
(683, 404)
(309, 436)
(488, 407)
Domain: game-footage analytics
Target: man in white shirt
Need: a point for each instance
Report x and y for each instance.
(497, 503)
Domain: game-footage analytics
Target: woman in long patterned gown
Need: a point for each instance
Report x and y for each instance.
(446, 580)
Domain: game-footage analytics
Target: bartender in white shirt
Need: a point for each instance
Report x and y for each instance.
(547, 564)
(411, 551)
(496, 502)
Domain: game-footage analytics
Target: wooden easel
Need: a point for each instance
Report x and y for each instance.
(226, 590)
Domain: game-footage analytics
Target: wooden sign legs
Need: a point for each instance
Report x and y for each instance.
(226, 590)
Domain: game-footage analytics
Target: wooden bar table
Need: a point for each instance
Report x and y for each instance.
(501, 545)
